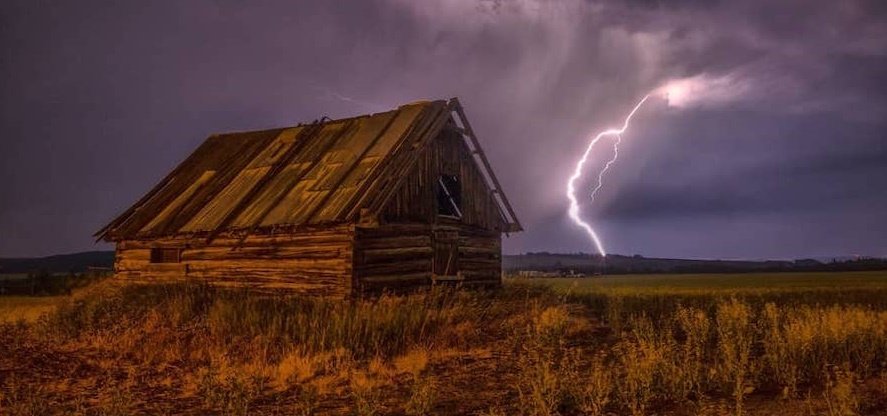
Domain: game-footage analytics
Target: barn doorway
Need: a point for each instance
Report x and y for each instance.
(446, 255)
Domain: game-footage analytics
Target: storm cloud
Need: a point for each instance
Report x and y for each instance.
(772, 143)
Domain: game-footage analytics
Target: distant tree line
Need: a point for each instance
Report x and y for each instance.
(44, 283)
(593, 264)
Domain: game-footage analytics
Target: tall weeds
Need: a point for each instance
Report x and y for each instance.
(735, 338)
(543, 362)
(694, 353)
(233, 349)
(385, 326)
(734, 346)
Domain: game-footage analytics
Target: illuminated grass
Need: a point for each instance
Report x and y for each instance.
(616, 345)
(715, 283)
(26, 308)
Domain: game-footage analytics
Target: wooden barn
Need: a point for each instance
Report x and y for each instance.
(335, 208)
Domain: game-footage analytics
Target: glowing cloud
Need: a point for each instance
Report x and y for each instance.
(703, 90)
(571, 187)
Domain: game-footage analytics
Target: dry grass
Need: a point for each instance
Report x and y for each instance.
(27, 308)
(518, 350)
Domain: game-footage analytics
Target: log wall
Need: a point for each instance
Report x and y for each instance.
(316, 262)
(407, 244)
(401, 256)
(392, 257)
(480, 256)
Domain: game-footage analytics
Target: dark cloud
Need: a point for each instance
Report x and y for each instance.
(782, 142)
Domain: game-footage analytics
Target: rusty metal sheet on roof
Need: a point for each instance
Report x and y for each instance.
(382, 145)
(225, 202)
(187, 188)
(179, 201)
(306, 174)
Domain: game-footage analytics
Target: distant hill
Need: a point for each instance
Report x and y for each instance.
(62, 263)
(617, 264)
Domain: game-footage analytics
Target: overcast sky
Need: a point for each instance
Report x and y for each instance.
(771, 144)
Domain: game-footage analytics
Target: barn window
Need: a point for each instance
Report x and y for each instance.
(166, 255)
(449, 196)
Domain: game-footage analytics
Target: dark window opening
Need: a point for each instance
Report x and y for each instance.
(449, 196)
(166, 255)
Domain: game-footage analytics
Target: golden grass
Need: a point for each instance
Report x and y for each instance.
(26, 308)
(518, 350)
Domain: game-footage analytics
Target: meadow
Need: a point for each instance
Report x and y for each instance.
(795, 344)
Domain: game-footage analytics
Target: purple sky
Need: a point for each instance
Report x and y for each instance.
(775, 148)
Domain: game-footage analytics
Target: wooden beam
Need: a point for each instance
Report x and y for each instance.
(447, 278)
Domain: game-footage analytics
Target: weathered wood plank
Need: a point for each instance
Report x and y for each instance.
(339, 235)
(410, 277)
(326, 251)
(395, 254)
(381, 243)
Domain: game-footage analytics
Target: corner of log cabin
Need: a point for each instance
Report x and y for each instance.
(413, 245)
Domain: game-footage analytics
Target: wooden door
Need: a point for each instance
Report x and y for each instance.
(446, 255)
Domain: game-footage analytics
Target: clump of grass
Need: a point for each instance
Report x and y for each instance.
(297, 367)
(495, 410)
(734, 347)
(695, 326)
(539, 388)
(365, 394)
(307, 400)
(230, 393)
(543, 362)
(118, 404)
(593, 388)
(781, 355)
(423, 387)
(839, 395)
(640, 361)
(422, 396)
(413, 362)
(23, 399)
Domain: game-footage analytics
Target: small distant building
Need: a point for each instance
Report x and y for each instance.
(336, 208)
(538, 273)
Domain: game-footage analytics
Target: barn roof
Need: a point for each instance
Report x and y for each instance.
(322, 172)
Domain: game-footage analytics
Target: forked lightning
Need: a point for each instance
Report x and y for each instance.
(571, 188)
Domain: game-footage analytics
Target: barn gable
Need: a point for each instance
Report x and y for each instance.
(473, 202)
(320, 173)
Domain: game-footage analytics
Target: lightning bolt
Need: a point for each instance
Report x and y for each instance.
(571, 188)
(600, 176)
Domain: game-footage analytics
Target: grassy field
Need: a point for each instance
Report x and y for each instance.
(670, 345)
(719, 283)
(15, 308)
(27, 308)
